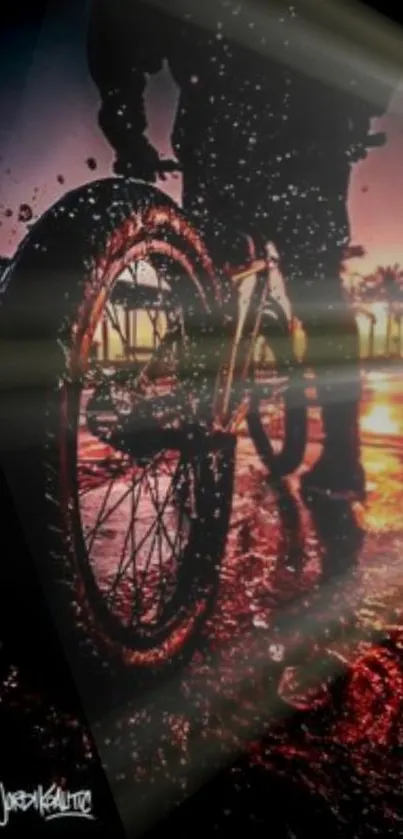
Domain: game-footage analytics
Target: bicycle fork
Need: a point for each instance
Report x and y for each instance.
(245, 283)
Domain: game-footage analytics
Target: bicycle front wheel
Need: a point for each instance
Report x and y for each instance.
(127, 547)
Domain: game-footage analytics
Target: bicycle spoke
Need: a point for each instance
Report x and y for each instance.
(162, 524)
(101, 521)
(177, 548)
(97, 471)
(158, 520)
(133, 551)
(129, 534)
(159, 558)
(148, 563)
(125, 565)
(160, 563)
(91, 534)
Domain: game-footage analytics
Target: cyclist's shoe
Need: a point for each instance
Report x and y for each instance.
(144, 164)
(334, 479)
(130, 170)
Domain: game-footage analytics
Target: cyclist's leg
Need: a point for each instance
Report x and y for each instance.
(123, 47)
(216, 212)
(220, 226)
(312, 235)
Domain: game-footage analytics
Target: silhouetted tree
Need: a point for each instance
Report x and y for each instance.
(392, 282)
(383, 285)
(355, 286)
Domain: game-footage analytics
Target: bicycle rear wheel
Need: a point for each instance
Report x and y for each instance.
(278, 414)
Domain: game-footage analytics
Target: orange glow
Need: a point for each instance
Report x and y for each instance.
(379, 421)
(377, 379)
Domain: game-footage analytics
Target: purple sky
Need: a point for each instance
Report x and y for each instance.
(54, 130)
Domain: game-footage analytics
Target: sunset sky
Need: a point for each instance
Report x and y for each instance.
(49, 127)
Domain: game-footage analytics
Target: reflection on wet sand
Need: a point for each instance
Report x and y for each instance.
(301, 655)
(381, 409)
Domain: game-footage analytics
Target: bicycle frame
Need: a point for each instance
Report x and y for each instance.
(245, 283)
(238, 356)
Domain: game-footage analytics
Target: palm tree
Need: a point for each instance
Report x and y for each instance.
(361, 291)
(392, 283)
(360, 309)
(352, 252)
(105, 338)
(359, 302)
(385, 284)
(370, 290)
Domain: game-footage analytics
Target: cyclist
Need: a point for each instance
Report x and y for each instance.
(261, 144)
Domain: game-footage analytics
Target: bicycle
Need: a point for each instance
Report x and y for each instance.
(164, 427)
